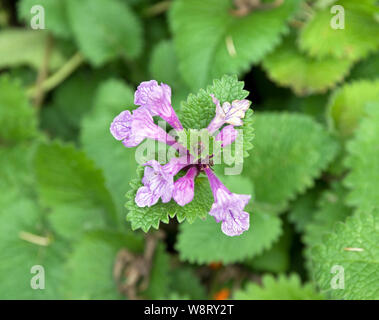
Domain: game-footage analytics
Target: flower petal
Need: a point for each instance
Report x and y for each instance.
(120, 127)
(227, 135)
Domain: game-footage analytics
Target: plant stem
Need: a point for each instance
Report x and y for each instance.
(68, 68)
(157, 9)
(43, 72)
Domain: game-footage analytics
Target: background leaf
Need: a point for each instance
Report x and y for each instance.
(363, 162)
(203, 241)
(356, 40)
(346, 105)
(360, 276)
(203, 28)
(301, 146)
(73, 189)
(18, 121)
(282, 288)
(304, 75)
(105, 29)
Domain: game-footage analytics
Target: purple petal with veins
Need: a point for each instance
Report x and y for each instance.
(157, 100)
(228, 207)
(230, 113)
(132, 129)
(158, 181)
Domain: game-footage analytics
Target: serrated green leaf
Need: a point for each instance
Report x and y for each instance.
(210, 41)
(290, 151)
(12, 49)
(354, 247)
(105, 29)
(198, 111)
(148, 217)
(54, 13)
(18, 121)
(346, 106)
(356, 40)
(203, 241)
(288, 67)
(73, 189)
(281, 288)
(363, 162)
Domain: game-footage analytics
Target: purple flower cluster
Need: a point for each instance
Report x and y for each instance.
(159, 180)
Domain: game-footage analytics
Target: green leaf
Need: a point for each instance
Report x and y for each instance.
(236, 183)
(21, 222)
(288, 67)
(71, 101)
(203, 241)
(55, 15)
(290, 151)
(331, 209)
(16, 168)
(117, 162)
(186, 283)
(198, 111)
(105, 29)
(91, 263)
(18, 121)
(355, 41)
(281, 288)
(363, 162)
(346, 106)
(91, 266)
(354, 247)
(148, 217)
(210, 41)
(12, 49)
(159, 275)
(302, 209)
(73, 188)
(277, 258)
(163, 66)
(366, 69)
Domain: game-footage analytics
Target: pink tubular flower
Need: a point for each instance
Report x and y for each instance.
(157, 100)
(158, 181)
(132, 129)
(184, 187)
(228, 207)
(228, 113)
(227, 135)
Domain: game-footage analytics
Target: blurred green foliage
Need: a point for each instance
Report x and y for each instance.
(312, 167)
